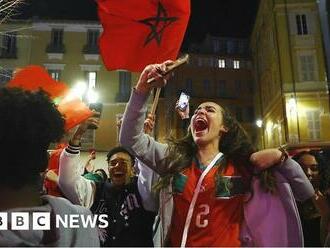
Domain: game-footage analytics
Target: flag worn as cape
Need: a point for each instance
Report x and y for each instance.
(34, 77)
(141, 32)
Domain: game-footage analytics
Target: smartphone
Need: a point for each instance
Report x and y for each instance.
(98, 107)
(183, 101)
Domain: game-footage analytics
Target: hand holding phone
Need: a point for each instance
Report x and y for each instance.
(97, 107)
(183, 101)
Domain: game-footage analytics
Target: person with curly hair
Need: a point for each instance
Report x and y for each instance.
(216, 190)
(29, 122)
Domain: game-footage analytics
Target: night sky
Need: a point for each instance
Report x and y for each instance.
(228, 18)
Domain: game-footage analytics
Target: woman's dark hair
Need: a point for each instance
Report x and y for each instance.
(234, 144)
(29, 123)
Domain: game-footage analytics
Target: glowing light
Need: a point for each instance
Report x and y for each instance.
(269, 127)
(79, 90)
(92, 96)
(292, 104)
(259, 123)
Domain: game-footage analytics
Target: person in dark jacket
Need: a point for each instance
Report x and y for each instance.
(127, 199)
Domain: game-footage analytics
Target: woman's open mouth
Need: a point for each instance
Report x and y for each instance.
(200, 126)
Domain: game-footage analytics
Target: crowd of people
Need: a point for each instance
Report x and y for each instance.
(208, 188)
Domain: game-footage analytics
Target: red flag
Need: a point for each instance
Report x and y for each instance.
(53, 164)
(35, 77)
(141, 32)
(74, 111)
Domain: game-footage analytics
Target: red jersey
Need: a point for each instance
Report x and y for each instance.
(218, 212)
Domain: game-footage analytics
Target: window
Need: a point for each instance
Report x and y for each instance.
(216, 45)
(236, 64)
(91, 79)
(313, 122)
(232, 46)
(124, 86)
(307, 68)
(207, 86)
(8, 47)
(229, 63)
(238, 87)
(221, 89)
(242, 47)
(189, 86)
(55, 74)
(222, 46)
(56, 42)
(57, 37)
(92, 38)
(222, 63)
(301, 24)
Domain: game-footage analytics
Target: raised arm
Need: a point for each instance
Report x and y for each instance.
(144, 147)
(75, 187)
(301, 187)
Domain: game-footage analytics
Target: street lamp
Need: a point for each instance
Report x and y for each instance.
(259, 123)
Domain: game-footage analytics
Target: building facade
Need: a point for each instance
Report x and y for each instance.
(219, 70)
(291, 93)
(69, 51)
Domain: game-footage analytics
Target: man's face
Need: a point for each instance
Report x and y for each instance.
(120, 168)
(310, 167)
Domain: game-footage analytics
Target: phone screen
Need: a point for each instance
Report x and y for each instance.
(183, 101)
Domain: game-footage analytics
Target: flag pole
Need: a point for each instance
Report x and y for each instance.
(169, 69)
(155, 103)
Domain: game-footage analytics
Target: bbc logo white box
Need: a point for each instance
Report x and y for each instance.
(3, 221)
(19, 221)
(41, 221)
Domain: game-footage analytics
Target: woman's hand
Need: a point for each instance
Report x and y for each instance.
(183, 114)
(154, 71)
(149, 123)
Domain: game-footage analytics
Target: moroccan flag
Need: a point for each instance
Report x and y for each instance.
(35, 77)
(141, 32)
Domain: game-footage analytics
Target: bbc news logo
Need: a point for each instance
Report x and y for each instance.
(41, 221)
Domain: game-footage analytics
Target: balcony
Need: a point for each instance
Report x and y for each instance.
(55, 51)
(55, 48)
(89, 49)
(91, 52)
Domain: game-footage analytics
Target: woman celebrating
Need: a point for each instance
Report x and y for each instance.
(215, 190)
